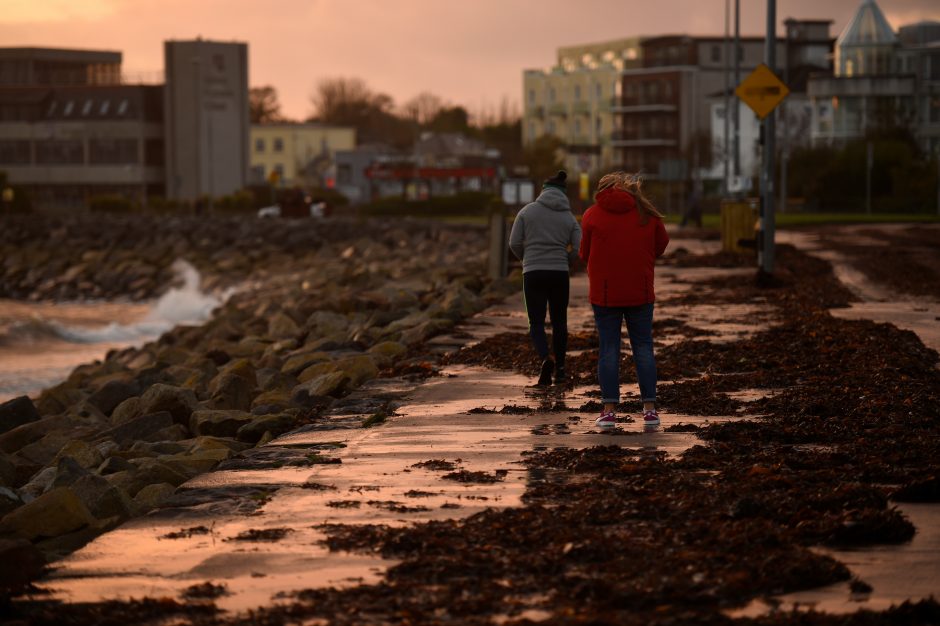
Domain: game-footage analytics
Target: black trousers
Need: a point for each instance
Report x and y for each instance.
(541, 289)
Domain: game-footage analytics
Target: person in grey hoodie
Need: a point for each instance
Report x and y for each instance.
(544, 236)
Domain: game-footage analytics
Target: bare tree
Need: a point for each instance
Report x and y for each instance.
(423, 108)
(263, 105)
(347, 100)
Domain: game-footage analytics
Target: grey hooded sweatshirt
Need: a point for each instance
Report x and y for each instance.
(543, 230)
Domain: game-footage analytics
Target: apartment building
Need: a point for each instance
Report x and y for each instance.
(574, 100)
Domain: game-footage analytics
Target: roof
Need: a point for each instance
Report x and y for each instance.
(60, 54)
(868, 27)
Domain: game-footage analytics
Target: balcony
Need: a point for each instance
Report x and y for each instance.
(558, 108)
(536, 111)
(633, 139)
(633, 105)
(581, 108)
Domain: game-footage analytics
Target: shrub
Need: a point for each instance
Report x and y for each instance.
(463, 203)
(111, 203)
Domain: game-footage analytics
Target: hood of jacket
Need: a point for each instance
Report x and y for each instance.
(616, 201)
(555, 199)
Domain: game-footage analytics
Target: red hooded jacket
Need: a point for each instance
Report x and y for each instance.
(619, 250)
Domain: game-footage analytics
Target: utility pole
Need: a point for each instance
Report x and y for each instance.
(785, 122)
(736, 153)
(869, 161)
(765, 250)
(726, 147)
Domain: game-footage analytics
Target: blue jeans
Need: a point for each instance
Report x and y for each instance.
(609, 321)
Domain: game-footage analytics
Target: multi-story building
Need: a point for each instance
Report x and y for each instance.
(70, 129)
(301, 154)
(879, 79)
(656, 104)
(574, 101)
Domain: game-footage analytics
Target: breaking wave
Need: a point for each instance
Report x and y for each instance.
(186, 304)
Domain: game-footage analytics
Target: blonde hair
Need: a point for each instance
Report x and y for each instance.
(632, 184)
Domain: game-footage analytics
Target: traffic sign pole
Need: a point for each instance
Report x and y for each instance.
(768, 219)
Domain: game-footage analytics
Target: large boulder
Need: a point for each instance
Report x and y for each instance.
(218, 423)
(299, 362)
(52, 514)
(17, 412)
(20, 563)
(195, 463)
(113, 393)
(281, 326)
(126, 411)
(7, 471)
(331, 384)
(256, 428)
(84, 453)
(152, 496)
(139, 427)
(103, 499)
(67, 472)
(387, 352)
(178, 402)
(21, 436)
(234, 386)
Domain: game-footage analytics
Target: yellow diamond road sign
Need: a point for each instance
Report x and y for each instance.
(762, 91)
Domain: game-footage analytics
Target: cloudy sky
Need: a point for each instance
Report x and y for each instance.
(469, 53)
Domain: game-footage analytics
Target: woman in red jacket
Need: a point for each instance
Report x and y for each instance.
(623, 235)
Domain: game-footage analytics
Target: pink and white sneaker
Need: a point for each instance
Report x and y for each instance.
(606, 420)
(651, 418)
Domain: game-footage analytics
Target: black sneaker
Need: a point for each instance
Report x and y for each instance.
(545, 378)
(561, 377)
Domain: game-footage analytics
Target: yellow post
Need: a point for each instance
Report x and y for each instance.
(738, 221)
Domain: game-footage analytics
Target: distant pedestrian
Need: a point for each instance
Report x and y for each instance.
(623, 237)
(544, 237)
(693, 206)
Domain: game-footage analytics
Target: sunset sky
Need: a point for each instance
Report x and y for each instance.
(469, 53)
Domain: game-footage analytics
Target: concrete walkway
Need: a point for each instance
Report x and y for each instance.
(378, 479)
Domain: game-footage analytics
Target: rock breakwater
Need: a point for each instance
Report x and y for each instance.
(324, 309)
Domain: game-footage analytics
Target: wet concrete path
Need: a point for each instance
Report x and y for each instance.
(256, 529)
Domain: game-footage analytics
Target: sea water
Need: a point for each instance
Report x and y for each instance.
(41, 343)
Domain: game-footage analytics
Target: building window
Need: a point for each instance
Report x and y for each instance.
(60, 152)
(551, 94)
(14, 152)
(105, 105)
(667, 90)
(259, 145)
(154, 152)
(279, 168)
(278, 144)
(344, 174)
(577, 126)
(550, 127)
(69, 106)
(577, 92)
(113, 152)
(531, 130)
(532, 96)
(122, 107)
(87, 108)
(598, 91)
(716, 53)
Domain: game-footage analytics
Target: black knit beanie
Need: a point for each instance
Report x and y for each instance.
(559, 180)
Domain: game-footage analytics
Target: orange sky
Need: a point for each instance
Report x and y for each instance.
(469, 53)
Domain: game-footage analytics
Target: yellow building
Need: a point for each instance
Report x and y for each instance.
(301, 154)
(574, 100)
